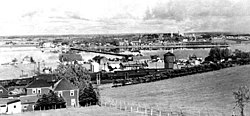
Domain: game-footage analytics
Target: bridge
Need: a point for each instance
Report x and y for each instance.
(126, 56)
(160, 46)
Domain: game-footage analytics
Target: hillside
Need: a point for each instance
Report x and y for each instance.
(207, 92)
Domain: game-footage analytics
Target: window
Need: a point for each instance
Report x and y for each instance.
(71, 92)
(38, 90)
(60, 93)
(33, 91)
(1, 91)
(14, 106)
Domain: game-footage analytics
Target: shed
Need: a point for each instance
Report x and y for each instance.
(10, 106)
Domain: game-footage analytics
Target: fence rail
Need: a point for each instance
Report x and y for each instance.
(146, 109)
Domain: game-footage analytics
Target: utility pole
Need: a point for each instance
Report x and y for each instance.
(38, 69)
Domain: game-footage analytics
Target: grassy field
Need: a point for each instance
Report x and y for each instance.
(83, 111)
(207, 92)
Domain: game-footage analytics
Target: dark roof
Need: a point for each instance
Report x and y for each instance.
(47, 77)
(24, 81)
(64, 84)
(96, 58)
(38, 83)
(169, 54)
(8, 101)
(135, 65)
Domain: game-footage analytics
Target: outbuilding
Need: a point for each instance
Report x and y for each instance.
(10, 106)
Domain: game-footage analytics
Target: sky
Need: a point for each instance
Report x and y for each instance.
(42, 17)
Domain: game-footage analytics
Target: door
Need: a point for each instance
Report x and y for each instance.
(73, 102)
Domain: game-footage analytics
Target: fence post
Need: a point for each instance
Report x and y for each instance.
(159, 112)
(145, 111)
(125, 106)
(120, 105)
(131, 108)
(151, 111)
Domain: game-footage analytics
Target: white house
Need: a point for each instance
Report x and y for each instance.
(94, 67)
(10, 106)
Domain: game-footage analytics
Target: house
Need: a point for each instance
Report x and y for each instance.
(3, 92)
(68, 91)
(28, 102)
(10, 106)
(39, 86)
(100, 59)
(27, 60)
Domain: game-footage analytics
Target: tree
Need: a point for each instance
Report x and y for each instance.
(78, 75)
(215, 54)
(75, 73)
(225, 53)
(240, 54)
(242, 97)
(50, 100)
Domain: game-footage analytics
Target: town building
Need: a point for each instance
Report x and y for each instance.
(68, 91)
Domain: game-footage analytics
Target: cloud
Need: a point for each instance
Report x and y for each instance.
(195, 15)
(124, 16)
(76, 16)
(30, 14)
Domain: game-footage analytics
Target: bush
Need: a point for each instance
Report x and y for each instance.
(50, 101)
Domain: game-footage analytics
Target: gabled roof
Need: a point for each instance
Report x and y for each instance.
(39, 83)
(64, 84)
(8, 101)
(169, 54)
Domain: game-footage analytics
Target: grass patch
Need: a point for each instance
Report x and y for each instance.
(211, 91)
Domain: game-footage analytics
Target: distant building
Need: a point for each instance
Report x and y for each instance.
(27, 60)
(48, 45)
(94, 67)
(100, 59)
(68, 91)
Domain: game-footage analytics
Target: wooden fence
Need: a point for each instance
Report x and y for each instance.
(146, 109)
